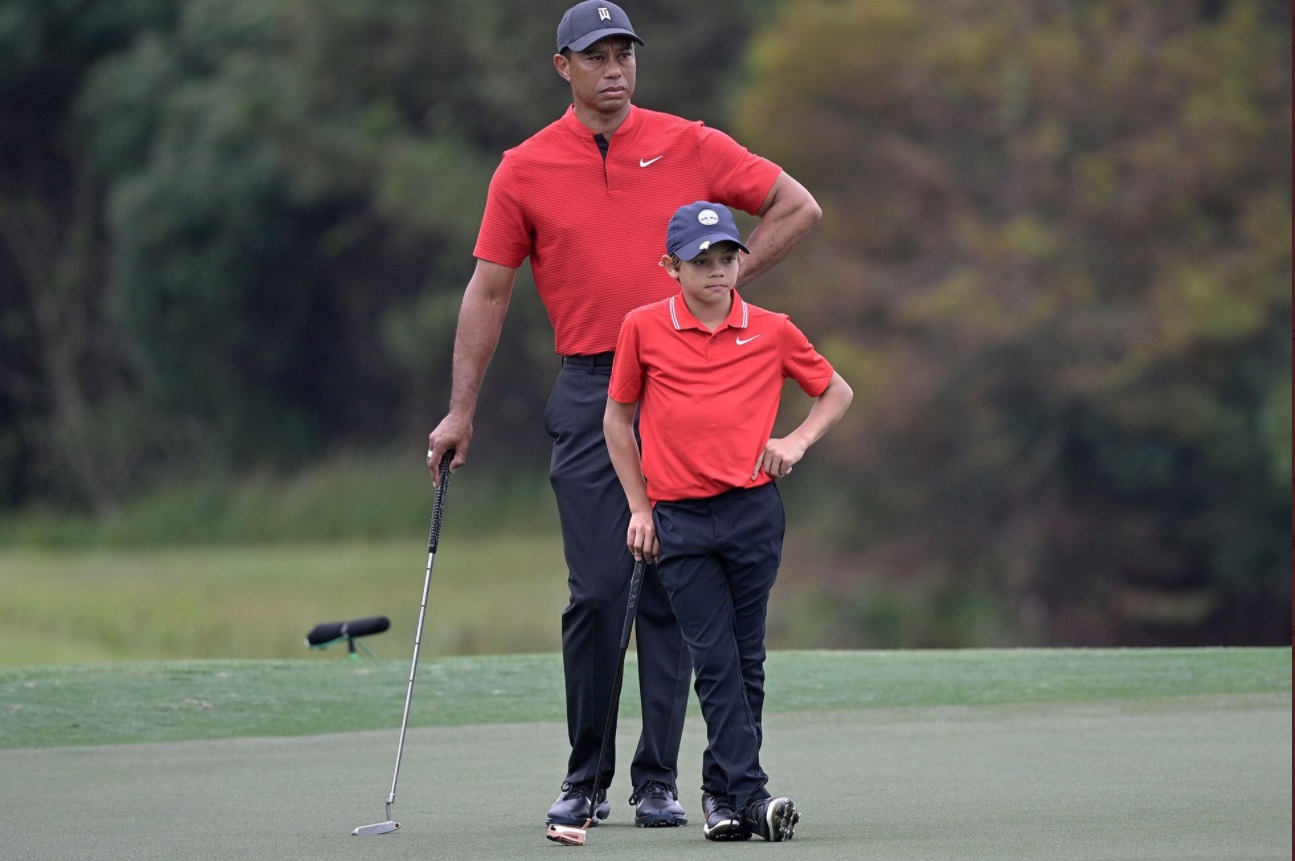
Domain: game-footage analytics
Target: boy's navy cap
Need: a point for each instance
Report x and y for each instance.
(697, 226)
(587, 22)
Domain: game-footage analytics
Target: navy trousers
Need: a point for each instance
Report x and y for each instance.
(595, 517)
(719, 559)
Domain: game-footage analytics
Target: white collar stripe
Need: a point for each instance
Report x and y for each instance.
(674, 317)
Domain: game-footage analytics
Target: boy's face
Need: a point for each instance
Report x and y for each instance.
(708, 277)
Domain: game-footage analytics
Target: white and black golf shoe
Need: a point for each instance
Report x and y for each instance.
(774, 819)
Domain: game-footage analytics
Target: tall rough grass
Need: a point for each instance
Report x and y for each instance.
(350, 496)
(489, 595)
(242, 567)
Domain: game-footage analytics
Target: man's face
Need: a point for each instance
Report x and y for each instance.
(602, 75)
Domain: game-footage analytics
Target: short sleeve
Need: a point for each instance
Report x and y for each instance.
(505, 234)
(626, 386)
(739, 178)
(802, 363)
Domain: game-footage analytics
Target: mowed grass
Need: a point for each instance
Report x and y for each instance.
(129, 702)
(981, 755)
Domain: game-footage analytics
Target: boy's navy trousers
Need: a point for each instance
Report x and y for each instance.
(719, 559)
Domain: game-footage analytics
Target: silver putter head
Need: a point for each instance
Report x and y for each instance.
(376, 828)
(567, 835)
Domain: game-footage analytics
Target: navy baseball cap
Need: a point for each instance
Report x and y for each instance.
(697, 226)
(587, 22)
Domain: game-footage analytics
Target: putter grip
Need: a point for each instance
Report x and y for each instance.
(438, 505)
(631, 609)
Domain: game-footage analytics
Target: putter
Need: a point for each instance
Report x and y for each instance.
(433, 537)
(570, 835)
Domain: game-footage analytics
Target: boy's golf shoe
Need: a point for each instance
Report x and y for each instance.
(722, 821)
(774, 819)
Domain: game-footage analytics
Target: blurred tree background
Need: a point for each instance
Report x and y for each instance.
(1055, 264)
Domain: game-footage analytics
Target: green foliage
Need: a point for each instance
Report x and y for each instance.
(38, 35)
(1070, 310)
(62, 363)
(204, 223)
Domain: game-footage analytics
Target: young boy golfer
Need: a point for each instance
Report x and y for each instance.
(705, 371)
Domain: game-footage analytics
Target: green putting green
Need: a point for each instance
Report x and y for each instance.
(1126, 754)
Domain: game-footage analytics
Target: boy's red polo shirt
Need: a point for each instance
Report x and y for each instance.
(555, 199)
(708, 400)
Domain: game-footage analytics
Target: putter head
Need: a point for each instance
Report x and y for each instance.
(376, 828)
(567, 835)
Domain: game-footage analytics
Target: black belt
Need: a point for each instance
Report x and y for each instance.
(597, 360)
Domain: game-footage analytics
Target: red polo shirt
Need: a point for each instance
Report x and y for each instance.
(594, 229)
(708, 400)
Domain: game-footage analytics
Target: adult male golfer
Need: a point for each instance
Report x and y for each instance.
(585, 198)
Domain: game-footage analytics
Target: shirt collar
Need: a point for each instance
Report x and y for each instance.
(573, 124)
(682, 317)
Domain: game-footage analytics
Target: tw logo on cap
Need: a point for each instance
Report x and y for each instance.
(591, 20)
(708, 217)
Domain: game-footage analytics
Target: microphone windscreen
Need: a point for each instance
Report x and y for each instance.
(327, 632)
(366, 626)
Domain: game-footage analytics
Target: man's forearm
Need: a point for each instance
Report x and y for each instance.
(481, 319)
(791, 213)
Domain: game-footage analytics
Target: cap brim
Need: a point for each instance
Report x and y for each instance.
(692, 249)
(589, 38)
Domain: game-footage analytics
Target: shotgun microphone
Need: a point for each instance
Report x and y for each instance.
(330, 632)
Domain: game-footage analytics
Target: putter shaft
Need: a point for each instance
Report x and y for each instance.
(433, 538)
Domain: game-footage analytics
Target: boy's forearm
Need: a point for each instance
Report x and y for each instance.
(618, 430)
(826, 411)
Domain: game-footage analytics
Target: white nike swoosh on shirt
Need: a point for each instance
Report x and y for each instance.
(740, 342)
(646, 162)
